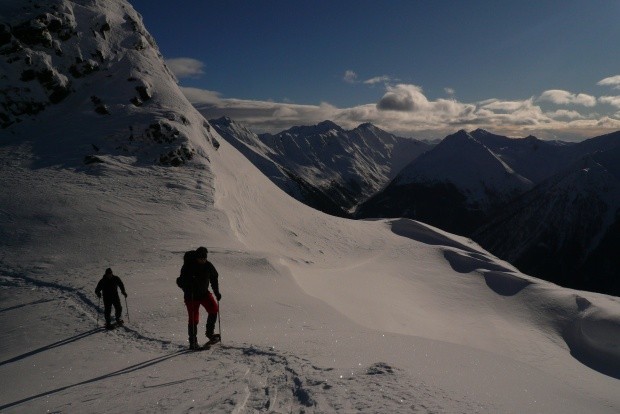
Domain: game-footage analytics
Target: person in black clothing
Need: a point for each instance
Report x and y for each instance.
(109, 285)
(197, 274)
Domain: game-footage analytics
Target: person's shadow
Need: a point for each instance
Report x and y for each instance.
(52, 346)
(126, 370)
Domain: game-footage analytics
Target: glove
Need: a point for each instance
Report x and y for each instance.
(218, 296)
(125, 294)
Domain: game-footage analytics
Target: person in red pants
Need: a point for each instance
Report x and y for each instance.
(197, 274)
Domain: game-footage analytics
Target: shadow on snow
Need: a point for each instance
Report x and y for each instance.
(123, 371)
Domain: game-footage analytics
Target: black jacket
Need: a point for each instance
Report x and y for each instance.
(109, 286)
(195, 279)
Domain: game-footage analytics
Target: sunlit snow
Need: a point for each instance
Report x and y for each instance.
(318, 314)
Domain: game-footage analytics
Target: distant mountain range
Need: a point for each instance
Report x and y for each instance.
(325, 166)
(567, 229)
(549, 207)
(454, 186)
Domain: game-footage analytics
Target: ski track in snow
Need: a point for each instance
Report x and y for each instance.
(241, 378)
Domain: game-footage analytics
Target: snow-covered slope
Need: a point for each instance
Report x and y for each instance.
(319, 313)
(555, 230)
(105, 68)
(323, 165)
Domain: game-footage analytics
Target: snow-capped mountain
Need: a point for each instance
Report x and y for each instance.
(57, 55)
(454, 186)
(348, 165)
(318, 314)
(567, 229)
(326, 198)
(323, 165)
(468, 164)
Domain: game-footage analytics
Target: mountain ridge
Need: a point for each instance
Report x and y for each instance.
(327, 167)
(514, 223)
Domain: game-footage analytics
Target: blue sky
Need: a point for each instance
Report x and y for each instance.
(418, 68)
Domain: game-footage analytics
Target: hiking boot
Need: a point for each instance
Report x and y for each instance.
(120, 322)
(210, 327)
(194, 345)
(215, 338)
(108, 326)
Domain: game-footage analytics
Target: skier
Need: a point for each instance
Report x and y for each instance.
(196, 275)
(109, 285)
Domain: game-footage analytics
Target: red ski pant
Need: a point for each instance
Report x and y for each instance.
(193, 308)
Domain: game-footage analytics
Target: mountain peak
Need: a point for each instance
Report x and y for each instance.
(320, 128)
(480, 131)
(459, 136)
(369, 128)
(328, 125)
(367, 125)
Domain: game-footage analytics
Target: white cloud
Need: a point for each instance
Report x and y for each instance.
(285, 111)
(449, 91)
(564, 114)
(378, 79)
(511, 115)
(613, 81)
(402, 97)
(350, 76)
(560, 97)
(196, 95)
(506, 106)
(261, 116)
(404, 109)
(611, 100)
(185, 67)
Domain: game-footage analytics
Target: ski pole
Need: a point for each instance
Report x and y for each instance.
(98, 307)
(219, 321)
(127, 309)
